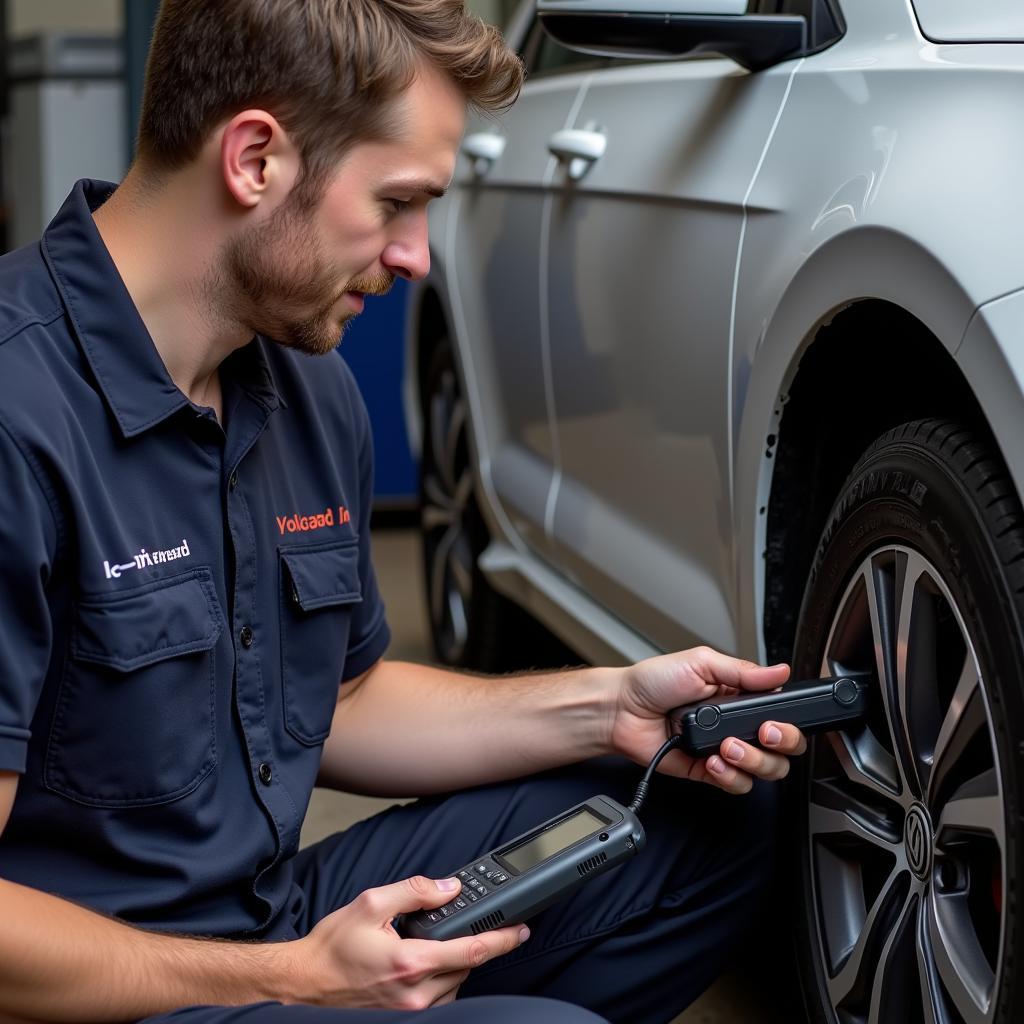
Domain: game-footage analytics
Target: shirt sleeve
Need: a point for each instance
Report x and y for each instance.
(28, 541)
(369, 634)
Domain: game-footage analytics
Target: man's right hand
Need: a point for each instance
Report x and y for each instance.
(63, 962)
(355, 958)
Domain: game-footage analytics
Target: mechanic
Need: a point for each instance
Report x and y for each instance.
(187, 578)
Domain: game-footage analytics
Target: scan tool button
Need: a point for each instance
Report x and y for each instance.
(844, 691)
(707, 717)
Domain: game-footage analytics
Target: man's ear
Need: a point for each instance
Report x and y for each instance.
(258, 161)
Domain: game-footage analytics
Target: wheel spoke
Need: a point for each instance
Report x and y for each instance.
(460, 563)
(438, 587)
(464, 489)
(459, 623)
(916, 674)
(882, 611)
(890, 998)
(932, 1001)
(852, 820)
(867, 947)
(953, 945)
(965, 717)
(976, 807)
(435, 493)
(456, 426)
(865, 762)
(436, 509)
(440, 413)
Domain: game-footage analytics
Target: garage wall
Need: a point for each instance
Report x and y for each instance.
(26, 17)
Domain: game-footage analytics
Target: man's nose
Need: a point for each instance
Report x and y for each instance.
(408, 254)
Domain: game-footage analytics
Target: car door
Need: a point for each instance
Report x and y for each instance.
(641, 263)
(493, 247)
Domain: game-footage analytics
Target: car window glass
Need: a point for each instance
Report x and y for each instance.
(542, 55)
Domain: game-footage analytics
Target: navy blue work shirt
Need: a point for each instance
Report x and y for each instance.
(179, 601)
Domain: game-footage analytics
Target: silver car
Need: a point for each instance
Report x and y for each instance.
(723, 343)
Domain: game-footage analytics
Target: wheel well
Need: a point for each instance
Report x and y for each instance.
(871, 368)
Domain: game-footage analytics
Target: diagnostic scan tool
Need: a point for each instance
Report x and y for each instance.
(522, 877)
(517, 880)
(817, 705)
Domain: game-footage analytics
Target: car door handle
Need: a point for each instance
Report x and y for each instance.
(579, 148)
(483, 148)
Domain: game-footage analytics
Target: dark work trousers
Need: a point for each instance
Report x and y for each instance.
(634, 946)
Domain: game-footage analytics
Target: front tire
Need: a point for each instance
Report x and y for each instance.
(909, 826)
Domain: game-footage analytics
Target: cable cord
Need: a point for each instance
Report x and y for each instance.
(641, 790)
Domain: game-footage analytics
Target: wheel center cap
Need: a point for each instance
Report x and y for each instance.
(917, 839)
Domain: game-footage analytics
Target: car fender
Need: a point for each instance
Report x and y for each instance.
(991, 357)
(863, 263)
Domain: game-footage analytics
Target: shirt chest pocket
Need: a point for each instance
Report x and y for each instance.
(319, 590)
(134, 720)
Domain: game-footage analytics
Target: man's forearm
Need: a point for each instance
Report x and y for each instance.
(411, 730)
(60, 962)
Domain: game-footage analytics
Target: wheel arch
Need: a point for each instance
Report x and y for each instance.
(821, 436)
(866, 298)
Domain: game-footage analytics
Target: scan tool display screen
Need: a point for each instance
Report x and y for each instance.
(554, 840)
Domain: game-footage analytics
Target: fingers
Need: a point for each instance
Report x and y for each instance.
(474, 950)
(753, 761)
(430, 972)
(718, 772)
(723, 670)
(420, 988)
(737, 764)
(783, 737)
(713, 770)
(447, 987)
(406, 896)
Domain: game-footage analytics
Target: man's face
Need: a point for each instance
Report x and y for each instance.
(301, 275)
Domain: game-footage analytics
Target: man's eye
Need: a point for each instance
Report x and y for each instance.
(398, 205)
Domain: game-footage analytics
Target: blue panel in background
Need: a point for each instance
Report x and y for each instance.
(374, 348)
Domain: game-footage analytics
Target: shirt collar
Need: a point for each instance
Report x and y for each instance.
(117, 345)
(250, 369)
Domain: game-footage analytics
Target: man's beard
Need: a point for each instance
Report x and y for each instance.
(278, 268)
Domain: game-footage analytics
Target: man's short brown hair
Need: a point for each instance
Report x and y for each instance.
(326, 69)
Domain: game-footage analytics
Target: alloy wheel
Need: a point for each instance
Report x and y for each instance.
(446, 516)
(906, 815)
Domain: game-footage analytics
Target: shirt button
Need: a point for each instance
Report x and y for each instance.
(246, 636)
(266, 773)
(233, 480)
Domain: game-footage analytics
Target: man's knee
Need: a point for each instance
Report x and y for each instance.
(511, 1010)
(493, 1009)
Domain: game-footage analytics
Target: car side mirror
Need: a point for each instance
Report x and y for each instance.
(669, 29)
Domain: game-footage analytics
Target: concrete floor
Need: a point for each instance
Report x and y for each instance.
(397, 559)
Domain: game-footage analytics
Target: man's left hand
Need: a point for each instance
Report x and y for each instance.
(652, 688)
